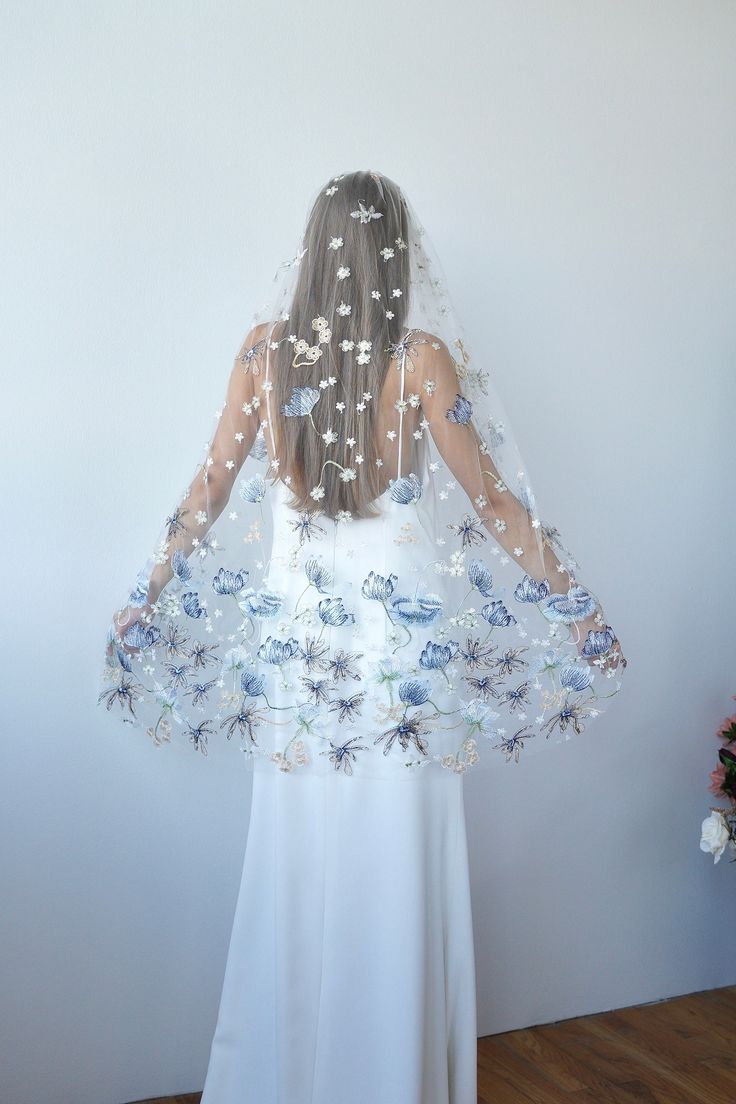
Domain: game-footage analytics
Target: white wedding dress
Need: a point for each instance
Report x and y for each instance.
(350, 977)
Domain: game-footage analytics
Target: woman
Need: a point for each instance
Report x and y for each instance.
(410, 622)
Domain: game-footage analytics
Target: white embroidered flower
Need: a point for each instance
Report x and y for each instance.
(358, 458)
(273, 344)
(239, 437)
(343, 516)
(401, 243)
(350, 442)
(319, 323)
(364, 346)
(376, 294)
(365, 214)
(292, 338)
(389, 314)
(343, 272)
(362, 358)
(335, 243)
(301, 346)
(396, 293)
(331, 191)
(429, 386)
(200, 517)
(347, 474)
(367, 395)
(387, 254)
(500, 525)
(436, 345)
(317, 492)
(340, 406)
(329, 437)
(379, 462)
(401, 405)
(346, 345)
(344, 310)
(391, 434)
(360, 407)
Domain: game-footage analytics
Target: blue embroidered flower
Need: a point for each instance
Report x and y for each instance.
(332, 612)
(141, 636)
(529, 590)
(260, 603)
(251, 685)
(192, 608)
(379, 587)
(417, 611)
(139, 595)
(317, 574)
(461, 412)
(575, 677)
(480, 577)
(598, 642)
(278, 651)
(254, 489)
(181, 567)
(496, 614)
(229, 582)
(435, 657)
(576, 605)
(406, 490)
(478, 716)
(414, 692)
(302, 402)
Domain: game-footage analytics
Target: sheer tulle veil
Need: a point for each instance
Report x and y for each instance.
(359, 577)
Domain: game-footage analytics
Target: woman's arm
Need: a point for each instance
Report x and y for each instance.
(208, 493)
(498, 508)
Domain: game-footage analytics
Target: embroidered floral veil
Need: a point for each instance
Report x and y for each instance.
(359, 578)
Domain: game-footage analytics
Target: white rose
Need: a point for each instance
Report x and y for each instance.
(715, 835)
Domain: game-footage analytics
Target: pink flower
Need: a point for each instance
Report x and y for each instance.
(717, 778)
(727, 728)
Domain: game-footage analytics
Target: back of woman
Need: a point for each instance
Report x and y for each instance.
(380, 594)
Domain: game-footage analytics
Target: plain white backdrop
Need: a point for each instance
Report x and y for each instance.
(574, 163)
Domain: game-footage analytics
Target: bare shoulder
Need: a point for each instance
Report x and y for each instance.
(430, 354)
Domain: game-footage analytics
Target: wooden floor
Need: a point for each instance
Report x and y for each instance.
(678, 1051)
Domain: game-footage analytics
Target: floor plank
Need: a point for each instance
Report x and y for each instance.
(676, 1051)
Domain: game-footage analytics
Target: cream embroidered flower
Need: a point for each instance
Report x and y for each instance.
(346, 345)
(335, 243)
(344, 310)
(343, 272)
(387, 254)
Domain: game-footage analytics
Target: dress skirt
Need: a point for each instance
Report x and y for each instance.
(350, 976)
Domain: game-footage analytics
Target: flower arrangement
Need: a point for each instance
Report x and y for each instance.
(719, 829)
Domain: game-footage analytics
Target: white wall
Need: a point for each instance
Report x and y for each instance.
(574, 163)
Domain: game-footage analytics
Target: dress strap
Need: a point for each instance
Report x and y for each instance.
(401, 411)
